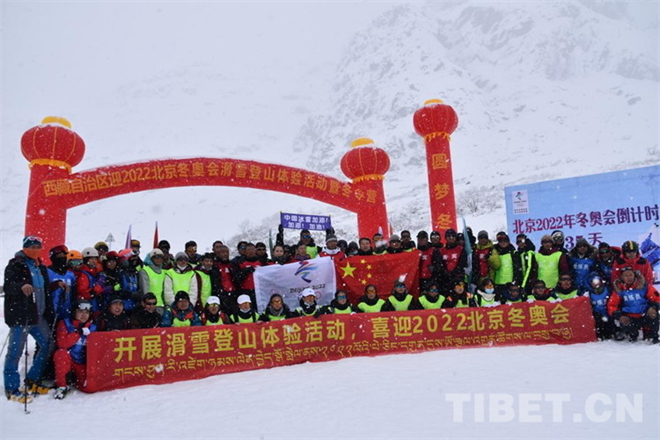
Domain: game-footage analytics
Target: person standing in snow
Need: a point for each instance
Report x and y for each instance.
(582, 262)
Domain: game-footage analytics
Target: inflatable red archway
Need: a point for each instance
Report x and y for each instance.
(53, 149)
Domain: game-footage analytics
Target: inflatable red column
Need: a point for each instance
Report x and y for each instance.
(435, 122)
(365, 164)
(52, 150)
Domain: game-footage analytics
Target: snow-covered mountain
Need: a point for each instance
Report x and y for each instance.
(555, 90)
(543, 90)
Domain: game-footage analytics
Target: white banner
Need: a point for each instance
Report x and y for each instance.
(290, 279)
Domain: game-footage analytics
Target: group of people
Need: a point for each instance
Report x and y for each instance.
(97, 289)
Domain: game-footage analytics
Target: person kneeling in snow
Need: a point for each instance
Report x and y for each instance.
(308, 305)
(634, 304)
(245, 313)
(72, 347)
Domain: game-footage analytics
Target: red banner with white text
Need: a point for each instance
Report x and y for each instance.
(165, 355)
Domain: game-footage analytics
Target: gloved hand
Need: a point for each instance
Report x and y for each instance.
(85, 331)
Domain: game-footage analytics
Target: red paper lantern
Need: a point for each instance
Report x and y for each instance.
(53, 143)
(365, 161)
(435, 117)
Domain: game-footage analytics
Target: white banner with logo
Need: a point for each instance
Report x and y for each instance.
(290, 279)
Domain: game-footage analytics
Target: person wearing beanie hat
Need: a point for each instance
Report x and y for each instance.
(332, 249)
(59, 273)
(485, 259)
(209, 278)
(114, 317)
(395, 246)
(180, 313)
(151, 279)
(582, 262)
(605, 262)
(182, 277)
(454, 261)
(526, 254)
(510, 266)
(429, 260)
(459, 296)
(168, 258)
(70, 357)
(28, 311)
(630, 257)
(431, 299)
(245, 312)
(551, 262)
(513, 294)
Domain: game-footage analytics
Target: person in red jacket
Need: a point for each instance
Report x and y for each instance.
(87, 285)
(634, 304)
(630, 257)
(71, 352)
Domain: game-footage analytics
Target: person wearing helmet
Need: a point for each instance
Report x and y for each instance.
(59, 272)
(599, 293)
(634, 303)
(87, 286)
(73, 260)
(559, 241)
(630, 257)
(308, 305)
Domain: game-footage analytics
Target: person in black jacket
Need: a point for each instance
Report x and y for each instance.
(114, 317)
(146, 316)
(28, 310)
(276, 310)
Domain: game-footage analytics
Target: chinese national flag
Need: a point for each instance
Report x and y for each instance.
(354, 273)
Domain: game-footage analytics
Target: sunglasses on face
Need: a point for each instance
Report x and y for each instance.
(341, 297)
(306, 236)
(150, 303)
(85, 307)
(565, 279)
(433, 290)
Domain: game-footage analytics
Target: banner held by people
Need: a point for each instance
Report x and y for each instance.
(290, 279)
(305, 221)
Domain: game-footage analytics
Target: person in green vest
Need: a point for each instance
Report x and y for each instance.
(431, 298)
(526, 255)
(308, 305)
(485, 296)
(540, 292)
(152, 279)
(510, 270)
(244, 314)
(209, 275)
(276, 310)
(340, 305)
(513, 294)
(551, 262)
(566, 288)
(459, 296)
(400, 299)
(180, 313)
(181, 277)
(312, 249)
(370, 302)
(212, 314)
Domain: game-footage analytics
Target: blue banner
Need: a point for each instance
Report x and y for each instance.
(305, 221)
(609, 207)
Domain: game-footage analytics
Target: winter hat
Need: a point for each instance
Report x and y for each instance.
(115, 298)
(546, 237)
(182, 294)
(435, 234)
(90, 252)
(243, 299)
(394, 237)
(450, 233)
(342, 243)
(307, 292)
(557, 235)
(502, 236)
(482, 234)
(213, 300)
(582, 242)
(156, 252)
(422, 234)
(331, 238)
(181, 256)
(135, 243)
(32, 240)
(112, 256)
(58, 250)
(164, 243)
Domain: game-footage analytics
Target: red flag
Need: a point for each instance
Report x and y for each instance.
(354, 273)
(156, 237)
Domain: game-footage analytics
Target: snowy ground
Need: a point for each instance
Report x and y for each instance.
(396, 396)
